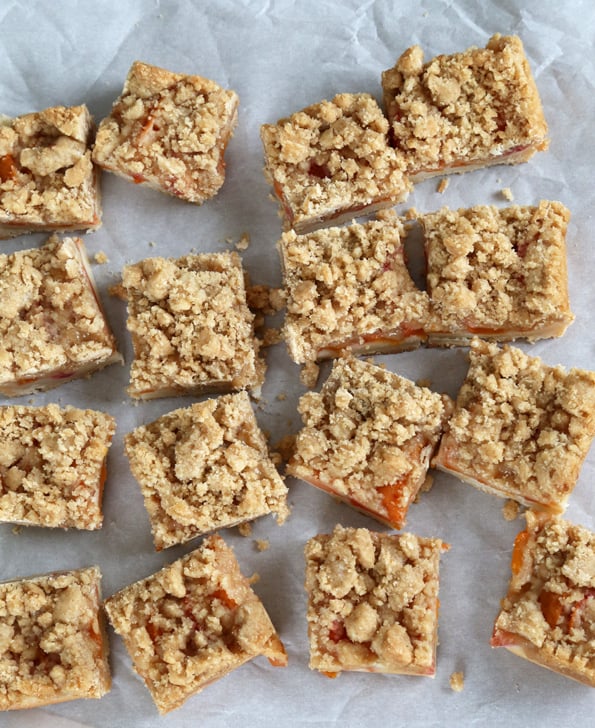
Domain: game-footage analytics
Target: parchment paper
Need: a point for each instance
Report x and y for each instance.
(281, 56)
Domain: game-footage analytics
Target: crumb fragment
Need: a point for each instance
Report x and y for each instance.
(506, 193)
(281, 397)
(262, 544)
(457, 681)
(244, 242)
(510, 510)
(100, 258)
(285, 447)
(117, 290)
(442, 185)
(271, 336)
(245, 529)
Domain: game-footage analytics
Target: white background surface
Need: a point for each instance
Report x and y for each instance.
(279, 57)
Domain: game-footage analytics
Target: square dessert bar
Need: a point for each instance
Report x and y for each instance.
(332, 161)
(47, 179)
(168, 131)
(53, 645)
(349, 288)
(205, 467)
(52, 465)
(368, 437)
(548, 614)
(520, 429)
(192, 330)
(52, 325)
(372, 602)
(498, 273)
(192, 623)
(464, 111)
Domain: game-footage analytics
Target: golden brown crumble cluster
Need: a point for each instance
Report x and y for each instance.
(205, 467)
(169, 131)
(191, 623)
(52, 642)
(372, 601)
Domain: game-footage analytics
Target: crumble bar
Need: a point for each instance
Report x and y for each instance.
(193, 622)
(53, 645)
(192, 331)
(52, 326)
(498, 273)
(205, 467)
(52, 466)
(372, 602)
(349, 288)
(520, 429)
(464, 111)
(168, 131)
(548, 614)
(331, 161)
(47, 179)
(368, 437)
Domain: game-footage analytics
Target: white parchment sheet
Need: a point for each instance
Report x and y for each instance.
(281, 56)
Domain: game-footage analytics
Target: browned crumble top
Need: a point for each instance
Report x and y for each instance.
(204, 467)
(52, 326)
(52, 465)
(168, 131)
(497, 272)
(193, 622)
(548, 614)
(372, 601)
(332, 159)
(368, 437)
(473, 108)
(191, 328)
(53, 645)
(349, 288)
(521, 429)
(47, 180)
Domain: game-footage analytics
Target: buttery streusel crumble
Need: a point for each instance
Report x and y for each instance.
(521, 429)
(47, 179)
(52, 326)
(372, 602)
(548, 614)
(53, 645)
(368, 437)
(464, 111)
(168, 131)
(332, 161)
(52, 465)
(205, 467)
(192, 623)
(349, 288)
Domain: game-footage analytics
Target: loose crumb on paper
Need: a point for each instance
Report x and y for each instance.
(245, 529)
(100, 258)
(285, 447)
(118, 291)
(309, 374)
(442, 185)
(457, 682)
(506, 193)
(271, 337)
(510, 510)
(243, 243)
(255, 578)
(262, 544)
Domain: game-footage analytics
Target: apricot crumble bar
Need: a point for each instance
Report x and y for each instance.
(205, 467)
(498, 273)
(52, 326)
(53, 645)
(192, 331)
(349, 288)
(372, 602)
(168, 131)
(193, 622)
(47, 179)
(464, 111)
(332, 161)
(368, 437)
(548, 614)
(52, 465)
(521, 429)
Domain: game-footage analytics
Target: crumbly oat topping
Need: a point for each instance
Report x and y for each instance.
(477, 107)
(520, 429)
(550, 605)
(169, 131)
(52, 464)
(205, 467)
(372, 601)
(193, 622)
(52, 641)
(52, 327)
(191, 328)
(368, 437)
(349, 288)
(332, 159)
(264, 299)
